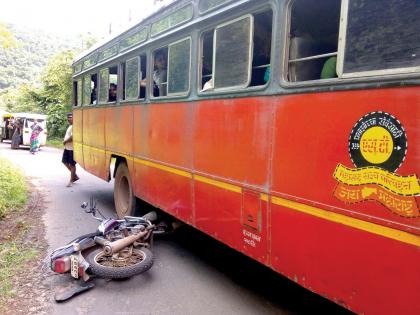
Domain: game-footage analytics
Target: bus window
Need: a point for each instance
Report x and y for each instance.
(87, 90)
(262, 48)
(160, 74)
(113, 84)
(143, 76)
(232, 53)
(179, 67)
(103, 85)
(130, 78)
(381, 36)
(227, 50)
(314, 27)
(75, 94)
(207, 60)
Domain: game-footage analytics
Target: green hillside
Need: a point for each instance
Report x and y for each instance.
(25, 63)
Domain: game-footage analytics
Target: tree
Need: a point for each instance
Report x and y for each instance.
(6, 37)
(56, 92)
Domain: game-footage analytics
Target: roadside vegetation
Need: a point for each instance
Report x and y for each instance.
(55, 142)
(13, 189)
(15, 251)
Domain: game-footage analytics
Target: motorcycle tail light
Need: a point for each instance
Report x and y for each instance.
(62, 264)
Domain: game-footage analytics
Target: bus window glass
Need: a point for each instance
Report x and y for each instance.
(382, 35)
(179, 67)
(314, 27)
(103, 85)
(180, 16)
(160, 75)
(232, 54)
(206, 5)
(113, 84)
(79, 92)
(86, 90)
(131, 84)
(262, 48)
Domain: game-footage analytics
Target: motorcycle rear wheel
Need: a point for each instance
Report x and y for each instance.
(108, 267)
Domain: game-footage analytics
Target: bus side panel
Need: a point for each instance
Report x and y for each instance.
(118, 129)
(353, 253)
(78, 136)
(231, 150)
(232, 139)
(364, 272)
(312, 139)
(163, 162)
(94, 142)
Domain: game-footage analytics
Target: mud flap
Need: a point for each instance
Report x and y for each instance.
(76, 287)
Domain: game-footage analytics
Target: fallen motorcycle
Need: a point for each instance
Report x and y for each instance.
(118, 249)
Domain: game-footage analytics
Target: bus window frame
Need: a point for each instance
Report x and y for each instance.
(341, 53)
(285, 39)
(89, 74)
(248, 88)
(125, 79)
(100, 84)
(141, 55)
(113, 65)
(149, 76)
(250, 53)
(187, 92)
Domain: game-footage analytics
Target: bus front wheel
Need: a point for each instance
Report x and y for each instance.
(125, 201)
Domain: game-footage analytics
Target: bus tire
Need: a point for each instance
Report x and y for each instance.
(124, 199)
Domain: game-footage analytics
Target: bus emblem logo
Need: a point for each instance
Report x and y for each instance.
(377, 147)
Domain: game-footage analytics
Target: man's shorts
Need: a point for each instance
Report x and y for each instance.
(68, 157)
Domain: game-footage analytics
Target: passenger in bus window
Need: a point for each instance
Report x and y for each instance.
(112, 92)
(160, 74)
(329, 68)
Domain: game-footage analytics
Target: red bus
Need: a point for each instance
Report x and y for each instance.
(288, 130)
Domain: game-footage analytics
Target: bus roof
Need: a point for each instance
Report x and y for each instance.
(109, 39)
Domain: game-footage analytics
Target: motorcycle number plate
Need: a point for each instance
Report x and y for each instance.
(74, 270)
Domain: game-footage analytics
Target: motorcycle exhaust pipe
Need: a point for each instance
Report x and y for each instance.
(111, 248)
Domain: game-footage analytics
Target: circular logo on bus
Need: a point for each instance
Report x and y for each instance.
(378, 139)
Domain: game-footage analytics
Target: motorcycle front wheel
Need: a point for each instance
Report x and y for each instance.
(121, 265)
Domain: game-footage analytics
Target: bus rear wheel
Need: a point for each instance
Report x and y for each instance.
(124, 199)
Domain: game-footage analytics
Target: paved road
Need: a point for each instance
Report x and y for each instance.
(192, 273)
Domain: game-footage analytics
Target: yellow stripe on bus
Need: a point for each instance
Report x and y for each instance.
(217, 183)
(163, 167)
(316, 212)
(355, 223)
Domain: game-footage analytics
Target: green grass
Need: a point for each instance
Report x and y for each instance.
(55, 143)
(14, 249)
(13, 254)
(13, 188)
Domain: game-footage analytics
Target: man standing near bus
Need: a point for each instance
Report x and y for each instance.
(67, 159)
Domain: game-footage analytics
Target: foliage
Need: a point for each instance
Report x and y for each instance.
(24, 63)
(6, 37)
(13, 189)
(36, 76)
(55, 142)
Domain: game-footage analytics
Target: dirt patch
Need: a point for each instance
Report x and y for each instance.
(30, 294)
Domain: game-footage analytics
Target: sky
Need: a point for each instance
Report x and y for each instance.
(75, 17)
